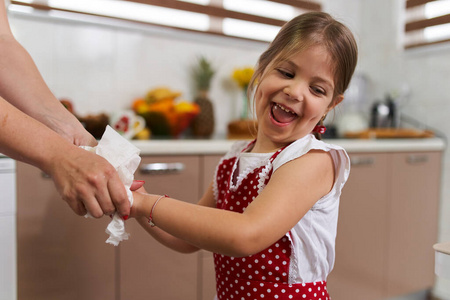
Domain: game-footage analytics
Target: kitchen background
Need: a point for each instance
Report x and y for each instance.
(104, 66)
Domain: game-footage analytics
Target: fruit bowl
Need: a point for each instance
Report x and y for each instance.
(164, 115)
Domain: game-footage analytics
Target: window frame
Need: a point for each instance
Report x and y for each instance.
(215, 10)
(418, 25)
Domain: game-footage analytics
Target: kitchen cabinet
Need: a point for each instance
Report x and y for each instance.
(148, 269)
(59, 255)
(64, 256)
(387, 226)
(413, 229)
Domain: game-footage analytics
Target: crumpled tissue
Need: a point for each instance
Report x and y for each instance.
(124, 157)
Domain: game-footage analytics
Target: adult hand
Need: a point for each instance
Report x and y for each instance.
(89, 183)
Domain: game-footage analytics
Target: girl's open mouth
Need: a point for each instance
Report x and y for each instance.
(281, 114)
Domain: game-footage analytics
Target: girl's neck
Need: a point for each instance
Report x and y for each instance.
(265, 147)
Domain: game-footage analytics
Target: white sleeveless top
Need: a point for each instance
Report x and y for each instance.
(313, 237)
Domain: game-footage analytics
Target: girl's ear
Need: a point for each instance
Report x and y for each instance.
(338, 99)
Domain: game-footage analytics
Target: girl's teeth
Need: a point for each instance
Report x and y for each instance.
(285, 109)
(282, 114)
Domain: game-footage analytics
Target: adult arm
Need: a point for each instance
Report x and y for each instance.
(47, 139)
(22, 85)
(85, 180)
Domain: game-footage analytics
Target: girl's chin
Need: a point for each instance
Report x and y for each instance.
(281, 134)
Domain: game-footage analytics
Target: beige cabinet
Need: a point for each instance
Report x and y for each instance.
(148, 269)
(413, 213)
(64, 256)
(60, 255)
(387, 226)
(361, 237)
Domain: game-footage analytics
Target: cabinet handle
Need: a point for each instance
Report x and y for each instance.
(362, 161)
(416, 159)
(162, 168)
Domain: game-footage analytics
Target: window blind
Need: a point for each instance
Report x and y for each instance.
(247, 19)
(427, 22)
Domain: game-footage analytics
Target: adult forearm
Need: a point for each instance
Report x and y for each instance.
(22, 85)
(25, 139)
(86, 181)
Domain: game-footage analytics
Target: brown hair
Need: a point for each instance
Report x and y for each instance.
(304, 31)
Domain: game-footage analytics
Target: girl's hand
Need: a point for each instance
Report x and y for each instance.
(141, 200)
(136, 185)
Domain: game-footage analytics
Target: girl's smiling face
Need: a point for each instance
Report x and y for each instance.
(292, 97)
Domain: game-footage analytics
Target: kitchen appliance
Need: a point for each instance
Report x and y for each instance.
(8, 212)
(384, 114)
(353, 118)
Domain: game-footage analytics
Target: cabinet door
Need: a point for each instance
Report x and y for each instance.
(362, 231)
(413, 221)
(60, 255)
(148, 269)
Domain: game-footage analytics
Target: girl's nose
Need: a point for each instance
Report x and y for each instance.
(294, 92)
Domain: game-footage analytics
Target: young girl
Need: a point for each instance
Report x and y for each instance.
(270, 215)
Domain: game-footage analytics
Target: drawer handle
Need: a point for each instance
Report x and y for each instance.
(416, 159)
(362, 161)
(162, 168)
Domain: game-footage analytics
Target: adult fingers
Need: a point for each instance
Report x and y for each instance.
(118, 195)
(104, 198)
(77, 206)
(92, 206)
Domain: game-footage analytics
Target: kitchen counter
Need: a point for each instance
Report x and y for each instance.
(220, 146)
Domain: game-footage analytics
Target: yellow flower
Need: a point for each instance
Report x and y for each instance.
(242, 76)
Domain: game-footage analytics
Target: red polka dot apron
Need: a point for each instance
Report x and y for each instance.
(264, 275)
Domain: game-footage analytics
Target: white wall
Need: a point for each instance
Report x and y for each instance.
(103, 68)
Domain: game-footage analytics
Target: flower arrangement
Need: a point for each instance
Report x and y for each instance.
(242, 77)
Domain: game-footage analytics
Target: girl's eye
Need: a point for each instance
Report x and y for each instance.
(318, 90)
(285, 73)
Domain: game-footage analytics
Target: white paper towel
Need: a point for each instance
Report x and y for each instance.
(124, 157)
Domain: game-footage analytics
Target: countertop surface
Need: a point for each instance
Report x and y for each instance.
(221, 146)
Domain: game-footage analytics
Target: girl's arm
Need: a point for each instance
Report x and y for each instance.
(291, 192)
(165, 238)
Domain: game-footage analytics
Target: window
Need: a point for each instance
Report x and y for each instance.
(427, 22)
(248, 19)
